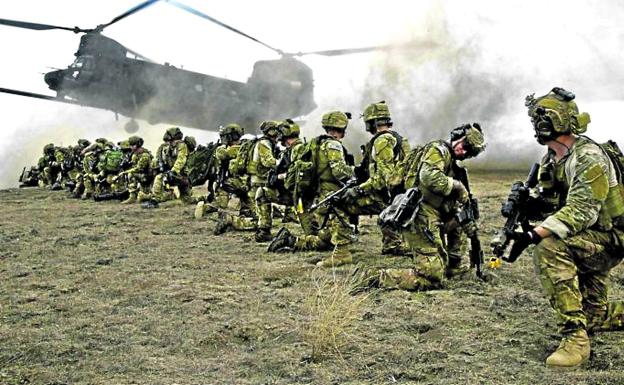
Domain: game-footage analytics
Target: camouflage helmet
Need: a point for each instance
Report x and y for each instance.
(375, 111)
(336, 119)
(555, 114)
(474, 141)
(173, 133)
(289, 129)
(83, 143)
(231, 132)
(102, 141)
(269, 128)
(191, 142)
(48, 148)
(135, 141)
(124, 145)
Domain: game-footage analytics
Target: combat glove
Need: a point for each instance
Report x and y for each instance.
(522, 240)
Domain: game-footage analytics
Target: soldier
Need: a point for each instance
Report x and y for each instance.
(171, 159)
(48, 166)
(63, 157)
(332, 171)
(224, 185)
(284, 181)
(111, 162)
(436, 252)
(76, 174)
(261, 161)
(377, 173)
(579, 241)
(139, 174)
(90, 162)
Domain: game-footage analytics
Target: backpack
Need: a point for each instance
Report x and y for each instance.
(617, 158)
(200, 163)
(238, 165)
(410, 166)
(362, 170)
(303, 173)
(112, 160)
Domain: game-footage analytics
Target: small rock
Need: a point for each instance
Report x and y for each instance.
(104, 261)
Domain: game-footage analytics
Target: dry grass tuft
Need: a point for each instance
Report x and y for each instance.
(331, 315)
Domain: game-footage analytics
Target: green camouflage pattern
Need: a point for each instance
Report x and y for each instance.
(574, 265)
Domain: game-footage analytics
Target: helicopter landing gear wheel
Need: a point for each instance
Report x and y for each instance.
(131, 127)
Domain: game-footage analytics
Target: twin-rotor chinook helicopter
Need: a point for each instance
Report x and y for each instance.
(107, 75)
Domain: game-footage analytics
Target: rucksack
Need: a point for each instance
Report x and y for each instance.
(238, 165)
(617, 158)
(410, 166)
(303, 173)
(200, 163)
(362, 170)
(112, 160)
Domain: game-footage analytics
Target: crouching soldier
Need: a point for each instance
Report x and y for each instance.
(580, 238)
(435, 247)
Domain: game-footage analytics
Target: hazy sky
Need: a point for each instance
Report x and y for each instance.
(490, 55)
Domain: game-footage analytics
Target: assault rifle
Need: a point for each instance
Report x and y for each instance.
(515, 209)
(470, 213)
(332, 200)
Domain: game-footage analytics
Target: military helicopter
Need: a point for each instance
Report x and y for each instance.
(107, 75)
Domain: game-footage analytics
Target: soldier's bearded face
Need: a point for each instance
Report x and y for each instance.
(459, 150)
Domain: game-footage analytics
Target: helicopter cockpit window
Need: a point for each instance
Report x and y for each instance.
(83, 63)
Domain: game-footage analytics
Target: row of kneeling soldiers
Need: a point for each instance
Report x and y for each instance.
(421, 194)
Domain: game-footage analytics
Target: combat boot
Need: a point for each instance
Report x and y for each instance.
(263, 235)
(142, 197)
(573, 351)
(223, 224)
(338, 257)
(363, 279)
(150, 204)
(131, 199)
(56, 186)
(283, 241)
(199, 210)
(397, 251)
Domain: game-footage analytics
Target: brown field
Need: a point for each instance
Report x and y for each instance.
(106, 294)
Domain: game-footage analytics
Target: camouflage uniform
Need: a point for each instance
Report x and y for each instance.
(48, 166)
(171, 159)
(434, 252)
(76, 174)
(300, 204)
(379, 172)
(229, 185)
(90, 165)
(64, 157)
(574, 266)
(582, 201)
(332, 170)
(139, 174)
(262, 161)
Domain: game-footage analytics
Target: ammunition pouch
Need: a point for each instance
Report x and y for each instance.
(402, 211)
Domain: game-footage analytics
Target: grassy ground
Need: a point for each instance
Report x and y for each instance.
(106, 294)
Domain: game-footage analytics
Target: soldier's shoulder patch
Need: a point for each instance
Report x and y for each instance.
(333, 145)
(597, 180)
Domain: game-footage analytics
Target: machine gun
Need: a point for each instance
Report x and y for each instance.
(470, 213)
(515, 209)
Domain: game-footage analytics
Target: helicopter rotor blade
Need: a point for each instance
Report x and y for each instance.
(220, 23)
(349, 51)
(129, 12)
(38, 27)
